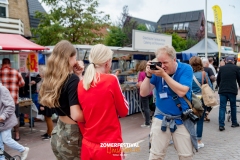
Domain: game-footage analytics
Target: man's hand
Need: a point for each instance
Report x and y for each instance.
(148, 70)
(32, 83)
(160, 72)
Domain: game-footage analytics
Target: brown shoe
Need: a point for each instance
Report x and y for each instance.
(206, 119)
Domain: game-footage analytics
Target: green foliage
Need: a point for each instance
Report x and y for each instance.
(178, 42)
(77, 21)
(190, 42)
(142, 27)
(115, 37)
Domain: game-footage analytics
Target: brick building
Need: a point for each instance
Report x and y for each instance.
(17, 16)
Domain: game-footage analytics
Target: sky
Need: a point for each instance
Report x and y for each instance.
(152, 10)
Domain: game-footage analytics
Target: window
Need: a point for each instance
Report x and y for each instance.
(4, 1)
(4, 8)
(186, 26)
(175, 26)
(209, 27)
(2, 11)
(180, 26)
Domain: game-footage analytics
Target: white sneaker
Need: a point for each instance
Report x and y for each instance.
(200, 145)
(145, 126)
(24, 154)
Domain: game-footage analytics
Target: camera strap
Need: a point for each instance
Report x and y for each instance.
(175, 99)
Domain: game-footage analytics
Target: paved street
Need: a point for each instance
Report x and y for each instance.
(218, 145)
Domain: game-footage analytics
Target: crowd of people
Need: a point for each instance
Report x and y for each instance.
(89, 102)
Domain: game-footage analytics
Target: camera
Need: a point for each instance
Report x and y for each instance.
(154, 64)
(189, 114)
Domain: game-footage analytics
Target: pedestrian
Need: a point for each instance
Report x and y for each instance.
(102, 102)
(34, 79)
(145, 101)
(211, 61)
(227, 77)
(211, 75)
(7, 121)
(59, 91)
(172, 79)
(46, 111)
(198, 74)
(12, 80)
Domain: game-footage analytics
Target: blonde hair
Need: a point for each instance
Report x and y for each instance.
(57, 72)
(169, 50)
(142, 66)
(99, 55)
(42, 69)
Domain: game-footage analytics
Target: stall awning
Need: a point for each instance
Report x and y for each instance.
(17, 42)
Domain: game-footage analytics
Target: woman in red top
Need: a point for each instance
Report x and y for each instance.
(102, 102)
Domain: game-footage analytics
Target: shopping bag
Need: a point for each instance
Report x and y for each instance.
(208, 95)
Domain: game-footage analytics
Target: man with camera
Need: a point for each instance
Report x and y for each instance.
(172, 81)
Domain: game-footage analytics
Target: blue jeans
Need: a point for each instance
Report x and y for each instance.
(6, 138)
(222, 109)
(199, 128)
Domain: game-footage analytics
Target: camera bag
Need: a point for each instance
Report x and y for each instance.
(195, 104)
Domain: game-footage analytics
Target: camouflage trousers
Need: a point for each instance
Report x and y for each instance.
(66, 141)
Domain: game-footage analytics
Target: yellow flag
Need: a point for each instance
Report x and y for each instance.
(218, 25)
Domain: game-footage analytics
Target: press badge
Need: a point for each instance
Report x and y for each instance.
(163, 95)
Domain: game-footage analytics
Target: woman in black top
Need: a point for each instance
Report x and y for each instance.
(59, 91)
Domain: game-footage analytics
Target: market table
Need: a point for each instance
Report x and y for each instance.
(26, 105)
(131, 93)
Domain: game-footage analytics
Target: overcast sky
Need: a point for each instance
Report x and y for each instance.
(152, 10)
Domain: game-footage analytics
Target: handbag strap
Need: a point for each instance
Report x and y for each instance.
(204, 76)
(196, 81)
(67, 114)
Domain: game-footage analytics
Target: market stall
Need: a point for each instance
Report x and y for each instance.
(13, 44)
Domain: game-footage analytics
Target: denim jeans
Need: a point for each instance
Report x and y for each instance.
(222, 109)
(6, 138)
(199, 128)
(145, 105)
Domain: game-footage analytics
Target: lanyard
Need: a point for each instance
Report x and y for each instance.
(165, 86)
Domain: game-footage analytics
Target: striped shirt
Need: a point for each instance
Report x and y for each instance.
(12, 80)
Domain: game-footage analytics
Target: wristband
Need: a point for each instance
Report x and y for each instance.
(147, 75)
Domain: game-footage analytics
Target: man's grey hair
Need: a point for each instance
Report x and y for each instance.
(205, 61)
(168, 49)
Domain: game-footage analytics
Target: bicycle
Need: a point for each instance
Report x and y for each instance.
(8, 156)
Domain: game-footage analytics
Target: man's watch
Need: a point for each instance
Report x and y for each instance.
(147, 75)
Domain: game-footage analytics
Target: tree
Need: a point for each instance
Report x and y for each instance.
(142, 27)
(123, 16)
(191, 42)
(115, 37)
(178, 42)
(75, 20)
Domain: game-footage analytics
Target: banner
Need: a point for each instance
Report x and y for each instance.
(28, 61)
(218, 25)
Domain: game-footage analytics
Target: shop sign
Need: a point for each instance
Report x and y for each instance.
(149, 41)
(28, 61)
